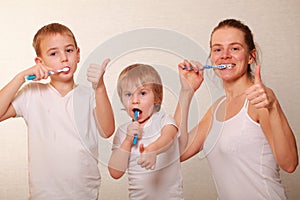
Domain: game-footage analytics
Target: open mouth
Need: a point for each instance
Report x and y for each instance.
(136, 113)
(66, 70)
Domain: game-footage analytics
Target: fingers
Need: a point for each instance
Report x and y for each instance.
(146, 160)
(257, 75)
(95, 73)
(257, 94)
(39, 71)
(190, 66)
(142, 149)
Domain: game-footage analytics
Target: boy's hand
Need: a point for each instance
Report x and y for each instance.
(133, 129)
(39, 70)
(147, 160)
(95, 73)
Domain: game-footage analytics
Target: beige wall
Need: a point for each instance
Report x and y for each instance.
(275, 24)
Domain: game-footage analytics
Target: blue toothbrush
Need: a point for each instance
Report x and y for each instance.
(135, 118)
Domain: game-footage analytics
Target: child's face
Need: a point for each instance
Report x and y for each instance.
(141, 98)
(57, 52)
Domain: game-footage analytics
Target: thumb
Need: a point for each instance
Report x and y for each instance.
(104, 64)
(142, 148)
(257, 75)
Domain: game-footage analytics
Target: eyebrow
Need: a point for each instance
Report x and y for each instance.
(55, 48)
(233, 43)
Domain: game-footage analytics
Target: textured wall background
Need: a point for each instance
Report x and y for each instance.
(275, 24)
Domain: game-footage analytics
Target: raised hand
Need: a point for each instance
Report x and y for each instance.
(258, 94)
(191, 75)
(37, 72)
(95, 73)
(147, 160)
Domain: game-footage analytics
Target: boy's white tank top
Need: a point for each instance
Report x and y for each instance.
(241, 159)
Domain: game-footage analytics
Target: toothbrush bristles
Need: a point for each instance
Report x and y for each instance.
(224, 66)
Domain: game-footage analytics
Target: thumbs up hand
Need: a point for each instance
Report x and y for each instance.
(147, 160)
(258, 94)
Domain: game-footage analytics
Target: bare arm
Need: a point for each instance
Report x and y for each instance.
(149, 154)
(119, 159)
(274, 124)
(197, 135)
(190, 81)
(8, 93)
(103, 110)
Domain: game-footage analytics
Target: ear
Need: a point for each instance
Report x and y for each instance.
(252, 57)
(78, 55)
(38, 60)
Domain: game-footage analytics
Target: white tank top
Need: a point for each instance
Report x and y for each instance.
(241, 159)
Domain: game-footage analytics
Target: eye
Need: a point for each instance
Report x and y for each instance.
(52, 53)
(128, 94)
(216, 49)
(143, 93)
(70, 50)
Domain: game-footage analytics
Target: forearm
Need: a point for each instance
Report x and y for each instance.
(119, 159)
(8, 92)
(164, 141)
(181, 117)
(283, 139)
(104, 113)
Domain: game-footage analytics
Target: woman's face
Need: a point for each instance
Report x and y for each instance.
(228, 46)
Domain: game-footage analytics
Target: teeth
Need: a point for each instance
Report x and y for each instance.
(228, 66)
(225, 66)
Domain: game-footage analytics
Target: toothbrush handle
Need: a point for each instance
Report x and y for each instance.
(135, 139)
(208, 67)
(204, 67)
(32, 77)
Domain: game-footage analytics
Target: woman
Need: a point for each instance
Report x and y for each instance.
(245, 135)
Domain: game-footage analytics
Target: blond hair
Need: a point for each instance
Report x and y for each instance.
(141, 75)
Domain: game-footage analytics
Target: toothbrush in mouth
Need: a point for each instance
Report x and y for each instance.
(135, 118)
(223, 66)
(32, 77)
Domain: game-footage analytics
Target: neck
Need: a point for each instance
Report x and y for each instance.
(236, 88)
(63, 87)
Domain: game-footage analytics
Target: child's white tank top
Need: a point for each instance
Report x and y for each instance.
(241, 159)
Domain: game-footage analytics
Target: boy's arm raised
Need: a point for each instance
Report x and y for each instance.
(103, 110)
(7, 94)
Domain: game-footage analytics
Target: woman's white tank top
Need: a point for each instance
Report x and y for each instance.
(241, 159)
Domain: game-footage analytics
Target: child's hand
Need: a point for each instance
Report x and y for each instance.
(95, 73)
(39, 70)
(133, 129)
(147, 160)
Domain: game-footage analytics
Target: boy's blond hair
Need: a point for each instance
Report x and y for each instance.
(50, 29)
(141, 75)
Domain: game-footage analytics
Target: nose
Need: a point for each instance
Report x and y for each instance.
(135, 99)
(63, 57)
(226, 54)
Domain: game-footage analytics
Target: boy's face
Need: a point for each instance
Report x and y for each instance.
(141, 98)
(57, 52)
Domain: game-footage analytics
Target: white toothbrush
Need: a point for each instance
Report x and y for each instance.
(65, 69)
(223, 66)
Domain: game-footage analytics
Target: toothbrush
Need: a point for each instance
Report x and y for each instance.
(65, 69)
(135, 118)
(223, 66)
